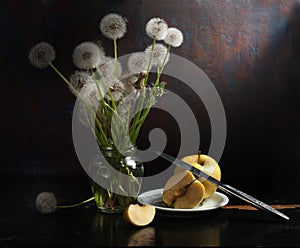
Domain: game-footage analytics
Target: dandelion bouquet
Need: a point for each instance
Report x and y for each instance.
(114, 100)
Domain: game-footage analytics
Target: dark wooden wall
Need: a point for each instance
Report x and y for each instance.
(249, 49)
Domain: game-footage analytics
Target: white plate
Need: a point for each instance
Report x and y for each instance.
(154, 198)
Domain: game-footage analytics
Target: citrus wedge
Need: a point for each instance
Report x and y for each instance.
(139, 215)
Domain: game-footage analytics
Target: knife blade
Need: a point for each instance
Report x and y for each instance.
(224, 187)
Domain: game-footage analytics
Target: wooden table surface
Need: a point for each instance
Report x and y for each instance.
(232, 225)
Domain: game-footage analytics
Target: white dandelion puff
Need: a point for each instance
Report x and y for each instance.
(117, 91)
(129, 83)
(115, 65)
(160, 54)
(84, 116)
(109, 81)
(107, 68)
(45, 202)
(78, 79)
(87, 55)
(41, 55)
(91, 95)
(113, 26)
(174, 37)
(138, 62)
(157, 27)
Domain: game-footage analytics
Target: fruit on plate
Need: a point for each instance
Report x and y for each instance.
(183, 190)
(206, 164)
(139, 215)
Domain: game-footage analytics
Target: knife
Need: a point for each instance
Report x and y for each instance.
(224, 187)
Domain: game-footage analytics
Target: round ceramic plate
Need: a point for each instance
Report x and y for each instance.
(154, 198)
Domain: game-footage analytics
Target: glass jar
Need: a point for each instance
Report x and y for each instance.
(117, 179)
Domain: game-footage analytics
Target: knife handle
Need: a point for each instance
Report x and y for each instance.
(250, 199)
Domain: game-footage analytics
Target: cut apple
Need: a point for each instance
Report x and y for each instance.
(139, 215)
(206, 164)
(193, 196)
(182, 190)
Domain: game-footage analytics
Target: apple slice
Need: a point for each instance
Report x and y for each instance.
(182, 190)
(193, 196)
(206, 164)
(139, 215)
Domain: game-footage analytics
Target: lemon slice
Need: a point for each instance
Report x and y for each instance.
(139, 215)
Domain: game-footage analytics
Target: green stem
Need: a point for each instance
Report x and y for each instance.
(104, 139)
(150, 59)
(137, 115)
(91, 112)
(139, 124)
(160, 69)
(77, 204)
(105, 86)
(97, 84)
(134, 132)
(108, 92)
(61, 75)
(129, 114)
(116, 57)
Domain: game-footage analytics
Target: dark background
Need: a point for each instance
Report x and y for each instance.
(249, 49)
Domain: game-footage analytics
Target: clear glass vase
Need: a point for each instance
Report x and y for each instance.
(117, 179)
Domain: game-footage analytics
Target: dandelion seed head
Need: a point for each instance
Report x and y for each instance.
(114, 65)
(138, 62)
(78, 79)
(160, 54)
(157, 27)
(107, 68)
(130, 80)
(90, 94)
(87, 55)
(117, 91)
(109, 81)
(41, 55)
(113, 26)
(129, 83)
(45, 202)
(174, 37)
(84, 116)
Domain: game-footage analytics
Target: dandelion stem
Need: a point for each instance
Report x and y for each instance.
(84, 102)
(160, 69)
(150, 59)
(133, 132)
(77, 204)
(116, 57)
(140, 123)
(61, 75)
